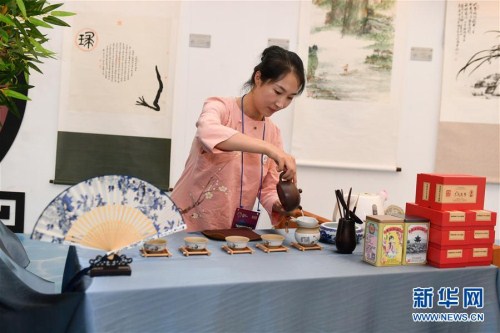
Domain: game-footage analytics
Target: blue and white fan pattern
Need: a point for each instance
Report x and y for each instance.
(70, 205)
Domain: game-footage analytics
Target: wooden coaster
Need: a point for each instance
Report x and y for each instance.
(237, 251)
(187, 252)
(165, 253)
(307, 248)
(268, 249)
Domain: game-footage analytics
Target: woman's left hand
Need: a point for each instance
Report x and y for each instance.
(278, 208)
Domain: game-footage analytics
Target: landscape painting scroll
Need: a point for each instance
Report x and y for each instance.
(351, 102)
(469, 128)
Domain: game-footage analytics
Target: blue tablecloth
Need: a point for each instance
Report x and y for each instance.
(294, 291)
(46, 260)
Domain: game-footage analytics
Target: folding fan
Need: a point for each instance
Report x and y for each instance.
(109, 213)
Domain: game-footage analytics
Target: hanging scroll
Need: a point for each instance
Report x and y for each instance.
(116, 91)
(469, 128)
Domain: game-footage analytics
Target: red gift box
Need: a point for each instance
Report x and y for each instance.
(445, 236)
(448, 256)
(461, 235)
(480, 255)
(482, 235)
(445, 218)
(449, 192)
(482, 217)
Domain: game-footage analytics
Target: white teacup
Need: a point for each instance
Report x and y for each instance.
(272, 240)
(195, 243)
(237, 242)
(155, 245)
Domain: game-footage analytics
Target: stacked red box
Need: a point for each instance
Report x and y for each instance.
(448, 192)
(447, 256)
(480, 254)
(461, 232)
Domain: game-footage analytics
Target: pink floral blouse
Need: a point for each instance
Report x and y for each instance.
(208, 191)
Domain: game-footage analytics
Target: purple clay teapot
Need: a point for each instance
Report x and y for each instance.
(288, 194)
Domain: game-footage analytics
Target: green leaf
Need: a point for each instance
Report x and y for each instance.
(7, 20)
(61, 13)
(15, 94)
(38, 47)
(51, 8)
(34, 67)
(40, 23)
(55, 21)
(4, 35)
(20, 4)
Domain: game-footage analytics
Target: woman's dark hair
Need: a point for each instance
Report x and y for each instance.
(276, 63)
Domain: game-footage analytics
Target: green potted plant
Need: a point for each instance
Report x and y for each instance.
(21, 45)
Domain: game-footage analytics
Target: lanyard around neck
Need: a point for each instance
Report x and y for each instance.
(261, 159)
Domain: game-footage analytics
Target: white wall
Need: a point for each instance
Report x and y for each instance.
(240, 30)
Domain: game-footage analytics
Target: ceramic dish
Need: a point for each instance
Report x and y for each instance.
(306, 222)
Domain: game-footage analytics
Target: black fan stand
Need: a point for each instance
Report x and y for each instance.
(107, 265)
(112, 264)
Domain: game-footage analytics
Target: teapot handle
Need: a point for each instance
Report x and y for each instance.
(282, 181)
(281, 176)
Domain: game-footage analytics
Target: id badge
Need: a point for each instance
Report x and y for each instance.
(244, 218)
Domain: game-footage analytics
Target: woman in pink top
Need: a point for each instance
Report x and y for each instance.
(237, 153)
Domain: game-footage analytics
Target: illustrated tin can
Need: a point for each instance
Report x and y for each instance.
(383, 244)
(416, 240)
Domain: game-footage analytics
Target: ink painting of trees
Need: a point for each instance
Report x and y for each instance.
(351, 50)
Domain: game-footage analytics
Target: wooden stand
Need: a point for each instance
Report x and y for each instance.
(112, 264)
(110, 271)
(187, 252)
(268, 249)
(237, 251)
(164, 253)
(307, 248)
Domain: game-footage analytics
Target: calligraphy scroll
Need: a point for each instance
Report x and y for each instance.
(117, 91)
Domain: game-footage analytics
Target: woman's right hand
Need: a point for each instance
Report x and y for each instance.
(242, 142)
(284, 162)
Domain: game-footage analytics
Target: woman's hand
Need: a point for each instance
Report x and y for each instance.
(284, 162)
(278, 208)
(242, 142)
